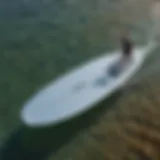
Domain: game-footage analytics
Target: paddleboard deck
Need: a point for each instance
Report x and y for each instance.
(80, 89)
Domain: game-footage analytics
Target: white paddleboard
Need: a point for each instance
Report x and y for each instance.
(80, 89)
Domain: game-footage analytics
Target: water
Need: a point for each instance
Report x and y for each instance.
(42, 40)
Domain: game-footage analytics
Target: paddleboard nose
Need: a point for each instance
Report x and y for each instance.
(27, 119)
(33, 114)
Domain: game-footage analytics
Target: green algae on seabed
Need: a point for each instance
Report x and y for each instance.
(130, 130)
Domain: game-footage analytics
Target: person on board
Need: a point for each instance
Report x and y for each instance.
(127, 46)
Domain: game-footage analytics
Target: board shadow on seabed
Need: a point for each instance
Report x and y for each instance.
(27, 143)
